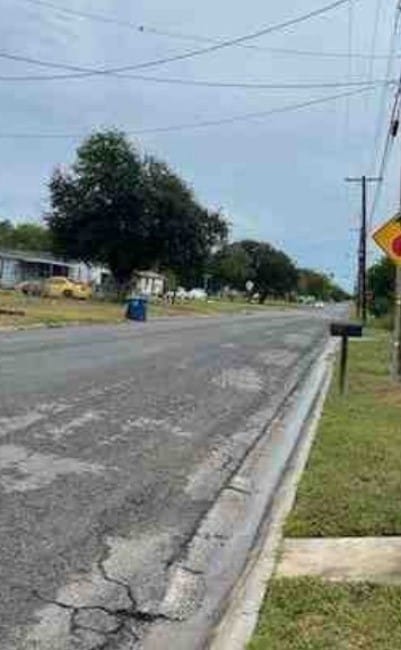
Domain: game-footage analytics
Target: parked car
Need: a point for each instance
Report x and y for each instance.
(31, 287)
(60, 287)
(197, 294)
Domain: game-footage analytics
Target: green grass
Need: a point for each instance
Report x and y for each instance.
(352, 483)
(57, 312)
(215, 307)
(306, 614)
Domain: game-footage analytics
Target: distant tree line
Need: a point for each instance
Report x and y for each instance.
(320, 286)
(130, 212)
(24, 236)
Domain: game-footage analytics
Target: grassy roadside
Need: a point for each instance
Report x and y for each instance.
(352, 483)
(306, 614)
(42, 311)
(351, 487)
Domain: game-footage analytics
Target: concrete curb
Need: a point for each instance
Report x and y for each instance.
(228, 545)
(240, 618)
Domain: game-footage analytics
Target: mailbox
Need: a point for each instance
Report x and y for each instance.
(353, 330)
(345, 331)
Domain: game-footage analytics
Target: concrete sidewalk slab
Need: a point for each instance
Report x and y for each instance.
(371, 559)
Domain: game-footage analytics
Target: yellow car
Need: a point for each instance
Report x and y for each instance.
(60, 287)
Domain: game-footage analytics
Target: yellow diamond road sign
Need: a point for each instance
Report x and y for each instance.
(388, 237)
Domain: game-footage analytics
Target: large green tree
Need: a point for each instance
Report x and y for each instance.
(232, 266)
(275, 273)
(97, 206)
(114, 208)
(183, 232)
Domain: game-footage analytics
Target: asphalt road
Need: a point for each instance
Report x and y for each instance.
(114, 442)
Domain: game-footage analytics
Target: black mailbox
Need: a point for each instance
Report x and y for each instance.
(346, 329)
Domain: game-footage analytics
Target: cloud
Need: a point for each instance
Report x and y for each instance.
(279, 178)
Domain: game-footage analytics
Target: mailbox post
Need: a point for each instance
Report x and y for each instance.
(345, 330)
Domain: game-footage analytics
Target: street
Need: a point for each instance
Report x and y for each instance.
(115, 442)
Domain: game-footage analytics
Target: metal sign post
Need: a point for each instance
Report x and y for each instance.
(396, 352)
(388, 237)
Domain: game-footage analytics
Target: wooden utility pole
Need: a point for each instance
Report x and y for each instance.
(396, 356)
(396, 352)
(362, 284)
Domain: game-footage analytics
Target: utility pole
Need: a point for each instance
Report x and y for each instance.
(362, 285)
(396, 355)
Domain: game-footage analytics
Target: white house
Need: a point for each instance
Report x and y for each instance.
(18, 266)
(150, 283)
(96, 275)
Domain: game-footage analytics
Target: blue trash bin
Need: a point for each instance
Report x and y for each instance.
(137, 309)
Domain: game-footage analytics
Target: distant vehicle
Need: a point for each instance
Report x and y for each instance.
(177, 294)
(319, 304)
(30, 287)
(307, 300)
(60, 287)
(197, 294)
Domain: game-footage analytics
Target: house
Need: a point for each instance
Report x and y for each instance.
(18, 266)
(149, 283)
(96, 275)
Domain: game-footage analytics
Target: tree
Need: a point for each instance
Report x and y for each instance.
(320, 286)
(183, 233)
(31, 237)
(6, 232)
(129, 214)
(381, 282)
(97, 207)
(232, 266)
(25, 236)
(312, 283)
(274, 273)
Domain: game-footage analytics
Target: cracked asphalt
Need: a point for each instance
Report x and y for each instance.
(114, 442)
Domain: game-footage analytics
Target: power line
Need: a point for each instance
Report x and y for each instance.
(388, 144)
(169, 80)
(394, 120)
(201, 124)
(272, 50)
(382, 104)
(218, 45)
(222, 84)
(83, 14)
(379, 5)
(176, 35)
(349, 70)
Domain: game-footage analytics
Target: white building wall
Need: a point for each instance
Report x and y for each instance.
(82, 272)
(10, 272)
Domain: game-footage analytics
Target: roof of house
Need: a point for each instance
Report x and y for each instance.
(38, 257)
(150, 274)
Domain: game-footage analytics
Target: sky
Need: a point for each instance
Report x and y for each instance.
(277, 177)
